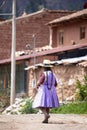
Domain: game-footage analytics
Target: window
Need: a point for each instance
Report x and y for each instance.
(4, 77)
(82, 32)
(61, 37)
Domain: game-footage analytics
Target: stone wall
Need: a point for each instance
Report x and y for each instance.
(67, 76)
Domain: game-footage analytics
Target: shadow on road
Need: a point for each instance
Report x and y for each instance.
(63, 122)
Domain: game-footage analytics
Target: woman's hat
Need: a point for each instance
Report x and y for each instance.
(47, 63)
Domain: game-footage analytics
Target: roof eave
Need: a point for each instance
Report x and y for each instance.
(77, 15)
(48, 52)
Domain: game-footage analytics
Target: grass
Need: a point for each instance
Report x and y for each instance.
(71, 108)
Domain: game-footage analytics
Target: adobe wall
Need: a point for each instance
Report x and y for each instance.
(26, 26)
(5, 40)
(71, 33)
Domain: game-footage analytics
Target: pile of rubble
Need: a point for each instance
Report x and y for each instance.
(16, 107)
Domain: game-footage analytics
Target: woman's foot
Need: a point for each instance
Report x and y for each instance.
(46, 119)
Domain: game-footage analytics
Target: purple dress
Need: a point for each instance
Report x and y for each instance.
(46, 95)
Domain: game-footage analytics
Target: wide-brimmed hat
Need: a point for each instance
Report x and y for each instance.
(47, 63)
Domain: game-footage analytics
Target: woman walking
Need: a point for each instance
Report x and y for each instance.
(46, 97)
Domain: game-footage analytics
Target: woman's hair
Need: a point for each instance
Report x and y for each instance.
(47, 68)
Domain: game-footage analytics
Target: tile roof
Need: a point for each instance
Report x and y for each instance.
(32, 51)
(46, 52)
(37, 13)
(45, 10)
(78, 14)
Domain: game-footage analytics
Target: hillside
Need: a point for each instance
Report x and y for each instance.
(34, 5)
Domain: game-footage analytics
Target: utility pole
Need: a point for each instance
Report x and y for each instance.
(34, 48)
(34, 38)
(13, 65)
(34, 81)
(13, 14)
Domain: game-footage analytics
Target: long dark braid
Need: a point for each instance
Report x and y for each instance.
(48, 69)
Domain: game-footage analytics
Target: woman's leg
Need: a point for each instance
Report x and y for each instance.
(47, 110)
(46, 116)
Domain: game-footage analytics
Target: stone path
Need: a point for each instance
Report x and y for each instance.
(34, 122)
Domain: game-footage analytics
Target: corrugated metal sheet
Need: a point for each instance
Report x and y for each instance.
(78, 60)
(71, 60)
(74, 60)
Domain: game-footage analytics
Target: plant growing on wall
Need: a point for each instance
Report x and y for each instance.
(81, 94)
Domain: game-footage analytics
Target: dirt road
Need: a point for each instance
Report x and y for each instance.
(34, 122)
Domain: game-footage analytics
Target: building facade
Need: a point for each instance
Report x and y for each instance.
(68, 39)
(26, 26)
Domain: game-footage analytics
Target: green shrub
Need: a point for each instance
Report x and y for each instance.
(71, 108)
(27, 108)
(81, 94)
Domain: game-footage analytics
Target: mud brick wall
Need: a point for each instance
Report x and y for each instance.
(26, 26)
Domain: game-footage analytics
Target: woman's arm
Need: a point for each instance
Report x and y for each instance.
(41, 80)
(55, 83)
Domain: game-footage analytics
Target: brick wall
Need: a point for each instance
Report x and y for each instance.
(26, 27)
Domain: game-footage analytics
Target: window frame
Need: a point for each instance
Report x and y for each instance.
(61, 37)
(82, 32)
